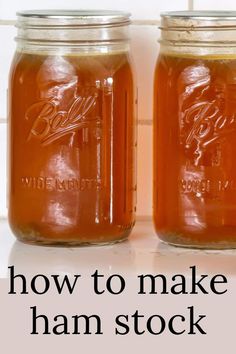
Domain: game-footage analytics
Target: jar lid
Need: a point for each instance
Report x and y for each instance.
(32, 18)
(198, 19)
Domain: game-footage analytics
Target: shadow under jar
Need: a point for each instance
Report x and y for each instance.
(72, 128)
(195, 130)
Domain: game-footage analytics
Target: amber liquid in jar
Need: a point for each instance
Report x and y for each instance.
(71, 148)
(195, 150)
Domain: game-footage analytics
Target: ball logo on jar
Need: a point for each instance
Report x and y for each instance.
(209, 124)
(206, 111)
(50, 123)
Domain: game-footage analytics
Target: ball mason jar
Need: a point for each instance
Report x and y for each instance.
(72, 128)
(195, 130)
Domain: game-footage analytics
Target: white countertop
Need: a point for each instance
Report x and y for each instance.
(142, 252)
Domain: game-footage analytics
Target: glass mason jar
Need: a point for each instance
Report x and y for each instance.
(195, 130)
(72, 128)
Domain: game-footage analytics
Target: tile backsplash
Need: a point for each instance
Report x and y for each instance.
(214, 5)
(3, 179)
(144, 44)
(7, 34)
(149, 9)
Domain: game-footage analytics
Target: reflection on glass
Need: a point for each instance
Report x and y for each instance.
(173, 260)
(31, 260)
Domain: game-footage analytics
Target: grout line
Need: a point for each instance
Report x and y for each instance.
(144, 122)
(190, 5)
(146, 22)
(144, 218)
(154, 22)
(3, 121)
(3, 217)
(7, 22)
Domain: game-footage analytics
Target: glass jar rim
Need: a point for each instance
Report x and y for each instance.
(201, 14)
(67, 29)
(72, 17)
(197, 33)
(198, 19)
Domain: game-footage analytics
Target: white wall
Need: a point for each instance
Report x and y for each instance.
(144, 50)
